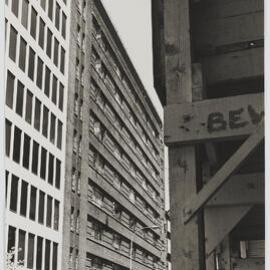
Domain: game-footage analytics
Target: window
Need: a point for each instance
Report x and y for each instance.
(55, 255)
(61, 96)
(30, 255)
(21, 245)
(51, 169)
(13, 42)
(31, 64)
(45, 121)
(39, 253)
(41, 33)
(43, 4)
(11, 238)
(52, 128)
(58, 174)
(59, 134)
(78, 221)
(50, 9)
(7, 184)
(43, 163)
(56, 215)
(33, 25)
(10, 89)
(54, 89)
(8, 136)
(49, 212)
(28, 107)
(64, 20)
(26, 151)
(39, 73)
(57, 16)
(17, 145)
(49, 43)
(47, 255)
(41, 207)
(24, 193)
(35, 157)
(72, 219)
(19, 101)
(56, 51)
(33, 198)
(15, 7)
(37, 114)
(14, 193)
(47, 82)
(62, 65)
(24, 18)
(22, 56)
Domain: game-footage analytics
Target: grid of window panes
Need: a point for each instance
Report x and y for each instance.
(36, 82)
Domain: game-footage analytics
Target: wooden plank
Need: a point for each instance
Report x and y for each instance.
(222, 118)
(218, 180)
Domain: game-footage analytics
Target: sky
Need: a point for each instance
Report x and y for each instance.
(132, 21)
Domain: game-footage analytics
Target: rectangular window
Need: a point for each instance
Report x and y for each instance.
(11, 239)
(47, 255)
(58, 174)
(50, 9)
(61, 96)
(26, 151)
(14, 193)
(55, 255)
(21, 245)
(30, 255)
(49, 212)
(47, 82)
(56, 51)
(22, 56)
(33, 25)
(28, 107)
(15, 7)
(52, 128)
(24, 196)
(19, 100)
(49, 43)
(56, 215)
(8, 137)
(7, 184)
(41, 207)
(24, 18)
(13, 42)
(64, 21)
(41, 33)
(17, 145)
(43, 4)
(39, 73)
(37, 114)
(57, 16)
(62, 64)
(33, 198)
(51, 169)
(43, 163)
(35, 157)
(45, 121)
(10, 89)
(31, 64)
(54, 89)
(39, 253)
(59, 134)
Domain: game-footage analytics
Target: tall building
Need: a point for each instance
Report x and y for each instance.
(114, 204)
(37, 48)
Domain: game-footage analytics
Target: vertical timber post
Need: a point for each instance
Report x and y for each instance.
(185, 253)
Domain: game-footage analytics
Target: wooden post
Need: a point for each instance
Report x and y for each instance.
(182, 160)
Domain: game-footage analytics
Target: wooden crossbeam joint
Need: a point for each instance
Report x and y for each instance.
(198, 200)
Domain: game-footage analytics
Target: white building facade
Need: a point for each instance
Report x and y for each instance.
(37, 46)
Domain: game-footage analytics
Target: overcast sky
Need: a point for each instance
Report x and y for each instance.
(132, 20)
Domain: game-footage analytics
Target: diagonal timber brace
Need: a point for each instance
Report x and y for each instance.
(198, 200)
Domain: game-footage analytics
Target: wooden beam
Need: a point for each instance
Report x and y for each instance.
(213, 119)
(245, 150)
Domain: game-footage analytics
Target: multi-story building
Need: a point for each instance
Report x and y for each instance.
(114, 214)
(37, 48)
